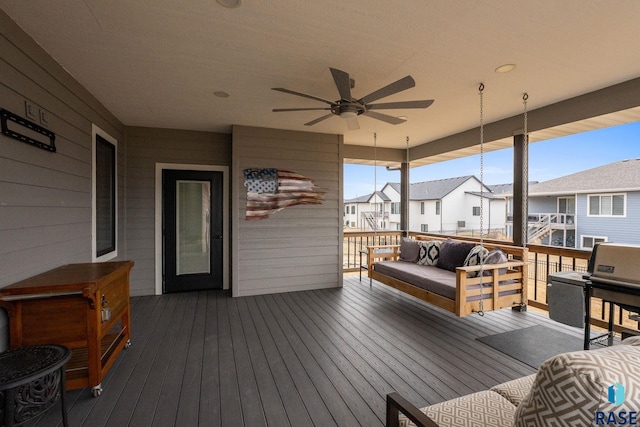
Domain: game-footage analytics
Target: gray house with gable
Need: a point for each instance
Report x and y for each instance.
(579, 210)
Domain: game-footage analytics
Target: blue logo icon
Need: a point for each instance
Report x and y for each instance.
(616, 393)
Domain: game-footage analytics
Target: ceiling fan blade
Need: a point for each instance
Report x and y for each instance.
(352, 123)
(343, 83)
(395, 87)
(277, 110)
(304, 95)
(384, 117)
(399, 105)
(318, 120)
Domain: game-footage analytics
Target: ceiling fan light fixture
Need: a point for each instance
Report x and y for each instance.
(230, 4)
(505, 68)
(348, 114)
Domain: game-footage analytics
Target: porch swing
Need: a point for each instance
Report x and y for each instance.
(483, 284)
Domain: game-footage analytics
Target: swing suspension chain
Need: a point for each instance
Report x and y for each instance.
(375, 187)
(525, 166)
(481, 272)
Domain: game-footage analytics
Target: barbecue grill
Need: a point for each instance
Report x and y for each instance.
(613, 275)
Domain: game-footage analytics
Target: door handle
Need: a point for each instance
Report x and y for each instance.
(217, 236)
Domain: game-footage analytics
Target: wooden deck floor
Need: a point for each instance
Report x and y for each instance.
(317, 358)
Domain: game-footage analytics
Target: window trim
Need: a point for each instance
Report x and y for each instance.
(475, 209)
(567, 198)
(583, 236)
(599, 215)
(96, 131)
(421, 208)
(438, 207)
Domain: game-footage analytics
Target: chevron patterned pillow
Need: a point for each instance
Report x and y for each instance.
(584, 388)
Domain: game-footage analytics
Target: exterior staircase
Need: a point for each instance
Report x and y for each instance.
(371, 220)
(542, 227)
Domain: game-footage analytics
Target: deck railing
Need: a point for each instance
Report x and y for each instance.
(544, 260)
(356, 241)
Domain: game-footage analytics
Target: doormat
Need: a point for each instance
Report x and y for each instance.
(533, 345)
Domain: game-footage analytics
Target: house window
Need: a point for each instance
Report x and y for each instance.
(607, 205)
(567, 205)
(104, 196)
(395, 208)
(588, 242)
(421, 208)
(353, 210)
(476, 211)
(424, 228)
(438, 207)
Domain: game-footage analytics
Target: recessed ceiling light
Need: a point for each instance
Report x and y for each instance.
(221, 94)
(231, 4)
(506, 68)
(402, 117)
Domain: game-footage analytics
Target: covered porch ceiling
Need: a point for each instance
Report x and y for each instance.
(160, 64)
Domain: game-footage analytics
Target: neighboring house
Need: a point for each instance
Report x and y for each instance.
(367, 212)
(449, 205)
(578, 210)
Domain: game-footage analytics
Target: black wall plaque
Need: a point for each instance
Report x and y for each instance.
(9, 116)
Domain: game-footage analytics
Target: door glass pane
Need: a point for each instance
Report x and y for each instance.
(193, 227)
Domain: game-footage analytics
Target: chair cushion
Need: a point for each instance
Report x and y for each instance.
(482, 409)
(571, 388)
(516, 390)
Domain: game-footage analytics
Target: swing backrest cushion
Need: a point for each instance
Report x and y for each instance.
(409, 250)
(453, 253)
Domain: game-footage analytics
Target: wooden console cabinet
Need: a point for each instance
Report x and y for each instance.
(82, 306)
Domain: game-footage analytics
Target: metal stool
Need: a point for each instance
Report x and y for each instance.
(31, 381)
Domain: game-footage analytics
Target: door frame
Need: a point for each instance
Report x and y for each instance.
(225, 217)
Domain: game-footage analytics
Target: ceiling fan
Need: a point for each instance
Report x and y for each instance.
(350, 108)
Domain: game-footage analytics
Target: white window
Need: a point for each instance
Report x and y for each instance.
(421, 208)
(395, 207)
(567, 205)
(438, 207)
(424, 228)
(607, 205)
(104, 195)
(476, 211)
(588, 242)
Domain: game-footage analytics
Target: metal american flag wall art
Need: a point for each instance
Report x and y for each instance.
(271, 190)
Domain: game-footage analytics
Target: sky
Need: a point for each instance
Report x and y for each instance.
(548, 159)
